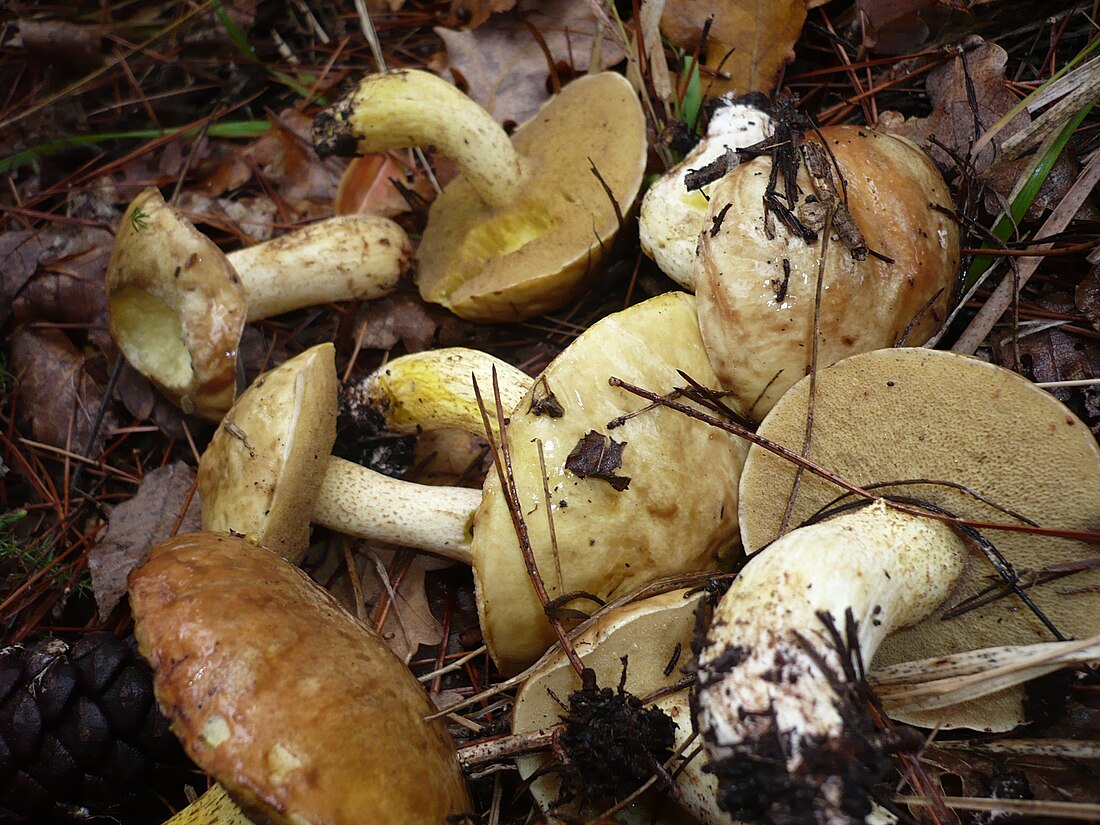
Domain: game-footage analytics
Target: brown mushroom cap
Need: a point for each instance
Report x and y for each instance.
(759, 333)
(296, 707)
(676, 515)
(912, 414)
(540, 251)
(265, 465)
(163, 270)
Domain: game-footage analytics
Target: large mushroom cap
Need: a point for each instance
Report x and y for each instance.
(265, 464)
(175, 306)
(918, 414)
(541, 250)
(296, 707)
(677, 513)
(756, 280)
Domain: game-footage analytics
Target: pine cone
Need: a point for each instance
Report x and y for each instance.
(81, 735)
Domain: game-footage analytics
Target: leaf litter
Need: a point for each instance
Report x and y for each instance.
(58, 212)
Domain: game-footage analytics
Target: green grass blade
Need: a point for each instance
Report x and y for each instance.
(1026, 196)
(232, 129)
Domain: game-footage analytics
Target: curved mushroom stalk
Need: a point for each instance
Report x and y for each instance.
(887, 276)
(672, 215)
(525, 226)
(177, 305)
(409, 107)
(975, 440)
(297, 708)
(779, 700)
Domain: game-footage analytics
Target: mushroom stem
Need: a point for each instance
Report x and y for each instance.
(778, 705)
(360, 502)
(408, 107)
(433, 390)
(339, 259)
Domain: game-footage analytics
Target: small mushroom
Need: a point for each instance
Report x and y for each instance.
(778, 693)
(888, 275)
(647, 643)
(526, 225)
(298, 709)
(633, 507)
(177, 305)
(268, 472)
(671, 217)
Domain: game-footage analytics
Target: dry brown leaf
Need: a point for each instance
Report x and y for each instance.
(903, 26)
(954, 122)
(409, 622)
(139, 524)
(67, 285)
(760, 33)
(70, 47)
(57, 395)
(502, 64)
(405, 319)
(469, 14)
(20, 252)
(255, 217)
(1087, 297)
(285, 156)
(367, 187)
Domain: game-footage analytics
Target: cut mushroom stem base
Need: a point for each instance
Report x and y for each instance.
(780, 702)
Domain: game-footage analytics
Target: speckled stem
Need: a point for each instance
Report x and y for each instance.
(786, 732)
(360, 502)
(339, 259)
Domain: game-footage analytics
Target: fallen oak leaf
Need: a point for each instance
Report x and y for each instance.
(59, 397)
(137, 525)
(503, 63)
(598, 456)
(748, 41)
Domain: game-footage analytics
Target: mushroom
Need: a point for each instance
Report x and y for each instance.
(778, 704)
(671, 216)
(647, 643)
(297, 708)
(887, 277)
(432, 390)
(526, 225)
(177, 305)
(615, 527)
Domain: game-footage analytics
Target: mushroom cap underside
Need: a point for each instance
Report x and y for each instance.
(175, 306)
(926, 416)
(295, 706)
(677, 514)
(539, 252)
(265, 464)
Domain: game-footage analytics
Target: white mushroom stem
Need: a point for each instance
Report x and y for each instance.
(434, 390)
(671, 217)
(408, 107)
(360, 502)
(339, 259)
(786, 732)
